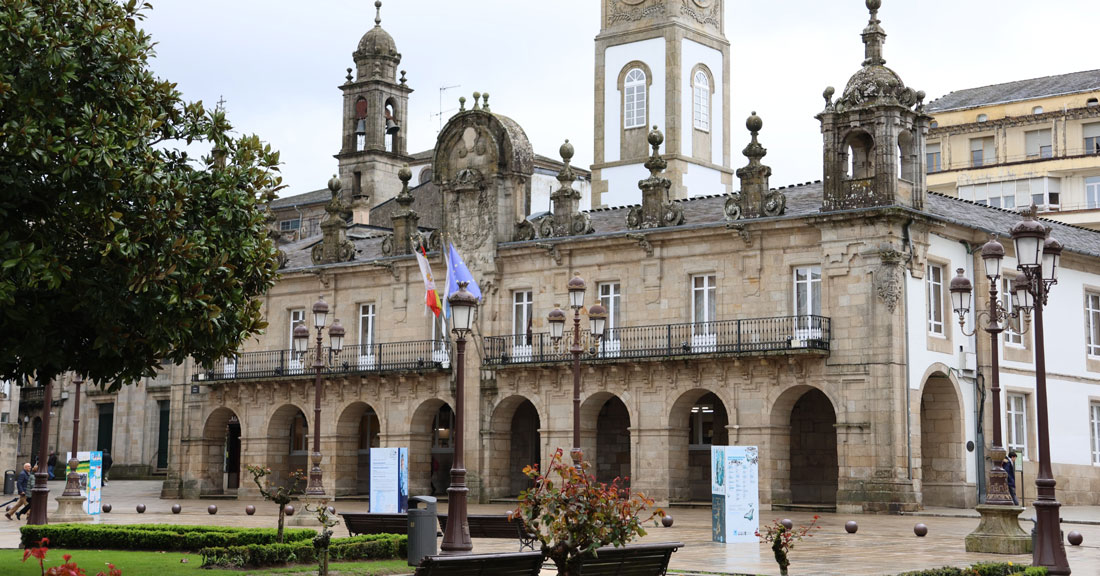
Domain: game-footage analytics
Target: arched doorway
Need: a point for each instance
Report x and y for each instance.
(288, 443)
(513, 442)
(605, 427)
(813, 456)
(431, 448)
(221, 449)
(697, 421)
(357, 432)
(942, 463)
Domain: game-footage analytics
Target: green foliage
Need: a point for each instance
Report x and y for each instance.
(574, 515)
(982, 569)
(369, 547)
(783, 540)
(117, 249)
(160, 537)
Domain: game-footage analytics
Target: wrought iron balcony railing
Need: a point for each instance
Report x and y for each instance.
(32, 395)
(726, 337)
(354, 359)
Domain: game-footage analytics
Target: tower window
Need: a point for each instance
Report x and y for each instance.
(360, 125)
(702, 100)
(634, 99)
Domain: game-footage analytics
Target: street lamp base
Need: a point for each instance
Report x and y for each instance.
(70, 509)
(997, 493)
(456, 539)
(72, 481)
(999, 531)
(1050, 549)
(315, 486)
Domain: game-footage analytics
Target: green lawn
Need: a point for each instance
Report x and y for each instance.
(169, 564)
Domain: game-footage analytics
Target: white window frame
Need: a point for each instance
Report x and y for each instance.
(368, 322)
(523, 309)
(989, 153)
(1039, 143)
(1094, 427)
(936, 324)
(1091, 138)
(806, 328)
(634, 99)
(1016, 423)
(610, 295)
(701, 92)
(292, 225)
(1092, 324)
(933, 152)
(704, 309)
(439, 340)
(1092, 191)
(1012, 334)
(296, 316)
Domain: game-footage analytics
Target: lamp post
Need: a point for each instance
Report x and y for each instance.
(301, 345)
(598, 316)
(992, 254)
(41, 490)
(456, 537)
(1039, 257)
(72, 481)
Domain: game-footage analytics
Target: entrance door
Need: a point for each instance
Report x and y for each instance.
(106, 427)
(162, 436)
(233, 455)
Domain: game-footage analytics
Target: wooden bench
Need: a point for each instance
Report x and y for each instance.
(638, 560)
(496, 526)
(515, 564)
(359, 523)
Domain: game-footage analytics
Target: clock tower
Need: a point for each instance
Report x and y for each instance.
(662, 63)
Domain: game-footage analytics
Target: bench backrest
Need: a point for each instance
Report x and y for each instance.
(359, 523)
(638, 560)
(489, 526)
(518, 564)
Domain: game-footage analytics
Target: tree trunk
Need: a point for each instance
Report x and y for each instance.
(282, 515)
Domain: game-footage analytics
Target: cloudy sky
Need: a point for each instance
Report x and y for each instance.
(278, 63)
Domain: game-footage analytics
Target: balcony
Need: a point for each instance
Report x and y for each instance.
(749, 337)
(415, 356)
(32, 396)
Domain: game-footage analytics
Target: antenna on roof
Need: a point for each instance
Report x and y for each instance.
(441, 112)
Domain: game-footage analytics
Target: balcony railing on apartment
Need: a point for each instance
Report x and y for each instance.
(32, 395)
(726, 337)
(355, 359)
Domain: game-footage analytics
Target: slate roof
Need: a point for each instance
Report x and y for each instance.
(315, 197)
(1072, 83)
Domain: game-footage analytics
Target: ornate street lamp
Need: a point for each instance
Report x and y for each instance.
(456, 537)
(992, 254)
(598, 316)
(301, 346)
(72, 481)
(1039, 259)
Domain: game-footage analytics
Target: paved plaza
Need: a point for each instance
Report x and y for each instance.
(883, 544)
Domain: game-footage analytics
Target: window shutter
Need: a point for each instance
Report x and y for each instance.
(1091, 130)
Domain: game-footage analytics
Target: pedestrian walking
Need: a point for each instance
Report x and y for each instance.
(1010, 468)
(107, 461)
(29, 491)
(21, 488)
(51, 463)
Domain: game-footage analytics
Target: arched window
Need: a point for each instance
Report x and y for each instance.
(392, 127)
(1037, 110)
(360, 125)
(702, 100)
(634, 99)
(907, 156)
(860, 162)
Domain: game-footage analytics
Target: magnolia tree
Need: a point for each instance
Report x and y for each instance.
(281, 495)
(572, 515)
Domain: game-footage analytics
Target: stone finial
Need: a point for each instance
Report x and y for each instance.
(334, 245)
(378, 13)
(567, 218)
(403, 197)
(403, 79)
(755, 199)
(334, 185)
(477, 100)
(874, 36)
(656, 210)
(828, 96)
(485, 99)
(406, 229)
(461, 103)
(349, 76)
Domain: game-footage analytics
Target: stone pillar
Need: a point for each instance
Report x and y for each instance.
(405, 219)
(648, 465)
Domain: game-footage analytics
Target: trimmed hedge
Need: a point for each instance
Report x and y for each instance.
(366, 547)
(154, 537)
(982, 569)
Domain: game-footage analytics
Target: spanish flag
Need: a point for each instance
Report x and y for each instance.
(432, 298)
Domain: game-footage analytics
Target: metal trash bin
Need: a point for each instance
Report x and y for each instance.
(9, 481)
(423, 524)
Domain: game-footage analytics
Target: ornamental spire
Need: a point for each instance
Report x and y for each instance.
(874, 37)
(378, 12)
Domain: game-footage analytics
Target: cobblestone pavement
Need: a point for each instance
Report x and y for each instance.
(883, 544)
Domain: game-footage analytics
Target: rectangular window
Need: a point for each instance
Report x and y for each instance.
(1092, 321)
(367, 348)
(1017, 424)
(1046, 193)
(932, 158)
(290, 225)
(982, 152)
(611, 298)
(1038, 143)
(297, 316)
(703, 305)
(1013, 337)
(522, 311)
(1092, 192)
(1094, 425)
(935, 300)
(702, 106)
(1092, 138)
(807, 291)
(634, 100)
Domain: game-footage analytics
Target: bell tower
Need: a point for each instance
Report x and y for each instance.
(661, 63)
(373, 145)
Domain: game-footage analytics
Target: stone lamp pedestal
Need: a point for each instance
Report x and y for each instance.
(999, 531)
(70, 509)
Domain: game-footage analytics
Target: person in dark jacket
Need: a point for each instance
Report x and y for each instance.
(28, 488)
(1010, 468)
(107, 461)
(51, 463)
(21, 488)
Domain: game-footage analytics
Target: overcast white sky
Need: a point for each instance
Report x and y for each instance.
(278, 63)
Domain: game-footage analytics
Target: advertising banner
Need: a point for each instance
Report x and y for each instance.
(389, 480)
(735, 493)
(90, 469)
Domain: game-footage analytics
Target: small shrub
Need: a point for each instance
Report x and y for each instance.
(367, 547)
(982, 569)
(782, 540)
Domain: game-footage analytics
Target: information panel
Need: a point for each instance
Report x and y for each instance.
(735, 493)
(389, 480)
(90, 469)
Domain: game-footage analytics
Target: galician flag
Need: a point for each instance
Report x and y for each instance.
(458, 272)
(432, 299)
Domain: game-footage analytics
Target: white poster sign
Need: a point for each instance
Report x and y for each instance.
(735, 493)
(90, 469)
(389, 480)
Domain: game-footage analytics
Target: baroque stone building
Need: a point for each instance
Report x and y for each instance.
(811, 320)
